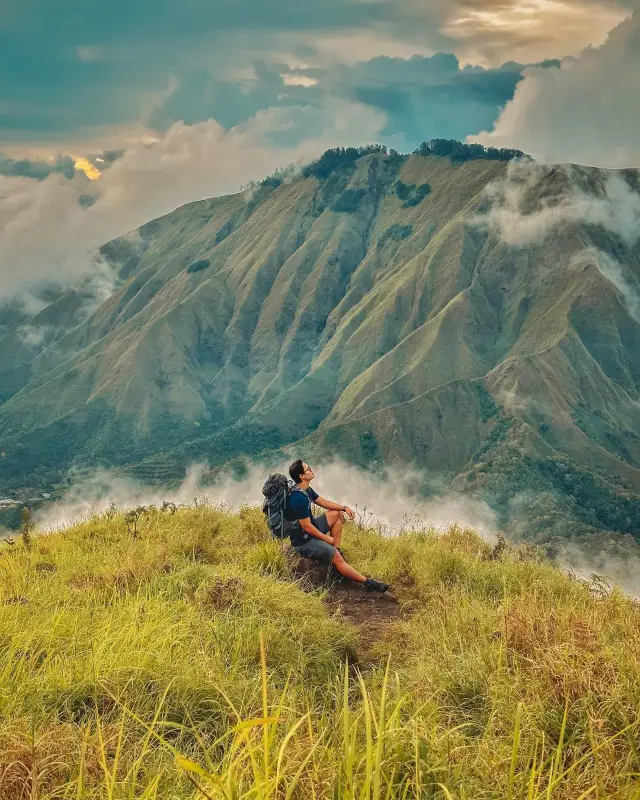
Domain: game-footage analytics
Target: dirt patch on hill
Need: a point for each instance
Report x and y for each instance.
(370, 612)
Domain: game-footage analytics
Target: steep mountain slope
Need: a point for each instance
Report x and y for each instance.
(470, 318)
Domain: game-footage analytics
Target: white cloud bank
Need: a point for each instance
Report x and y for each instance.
(523, 212)
(388, 503)
(47, 234)
(587, 111)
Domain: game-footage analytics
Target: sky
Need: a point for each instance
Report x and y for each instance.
(112, 114)
(80, 77)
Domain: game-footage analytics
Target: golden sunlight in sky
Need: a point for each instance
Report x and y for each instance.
(532, 30)
(292, 79)
(92, 172)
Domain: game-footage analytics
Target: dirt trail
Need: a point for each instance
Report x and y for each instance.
(371, 612)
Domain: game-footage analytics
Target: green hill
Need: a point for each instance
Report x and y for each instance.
(189, 657)
(360, 310)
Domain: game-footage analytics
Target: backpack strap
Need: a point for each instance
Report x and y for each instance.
(296, 488)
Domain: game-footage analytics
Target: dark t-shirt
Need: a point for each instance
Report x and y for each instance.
(299, 507)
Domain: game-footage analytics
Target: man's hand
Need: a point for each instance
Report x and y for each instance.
(349, 513)
(310, 529)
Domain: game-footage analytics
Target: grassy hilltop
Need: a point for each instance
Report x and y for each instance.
(182, 656)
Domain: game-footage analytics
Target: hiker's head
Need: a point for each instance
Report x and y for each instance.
(301, 471)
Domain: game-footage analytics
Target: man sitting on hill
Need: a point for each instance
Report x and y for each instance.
(319, 537)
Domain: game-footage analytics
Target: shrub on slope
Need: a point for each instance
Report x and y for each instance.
(187, 662)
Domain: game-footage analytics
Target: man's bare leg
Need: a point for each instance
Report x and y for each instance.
(334, 518)
(347, 571)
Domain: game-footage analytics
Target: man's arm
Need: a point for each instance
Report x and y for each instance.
(331, 506)
(308, 527)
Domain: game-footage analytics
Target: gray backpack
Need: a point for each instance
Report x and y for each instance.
(276, 493)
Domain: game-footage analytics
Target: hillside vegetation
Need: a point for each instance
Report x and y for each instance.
(181, 654)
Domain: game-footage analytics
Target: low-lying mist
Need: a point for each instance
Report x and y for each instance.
(391, 503)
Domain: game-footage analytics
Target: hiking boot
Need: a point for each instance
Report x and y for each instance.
(372, 585)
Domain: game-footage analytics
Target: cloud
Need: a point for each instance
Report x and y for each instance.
(39, 169)
(364, 44)
(29, 304)
(103, 69)
(434, 97)
(490, 31)
(50, 227)
(533, 200)
(582, 552)
(618, 566)
(48, 234)
(36, 336)
(583, 111)
(421, 97)
(71, 78)
(614, 272)
(388, 503)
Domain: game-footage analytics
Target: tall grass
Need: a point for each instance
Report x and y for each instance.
(186, 662)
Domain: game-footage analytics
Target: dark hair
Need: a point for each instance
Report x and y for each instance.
(296, 470)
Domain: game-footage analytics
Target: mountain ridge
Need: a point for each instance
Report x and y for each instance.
(376, 310)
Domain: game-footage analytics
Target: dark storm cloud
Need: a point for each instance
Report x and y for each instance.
(421, 97)
(430, 97)
(34, 168)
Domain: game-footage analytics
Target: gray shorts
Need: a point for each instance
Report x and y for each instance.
(316, 548)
